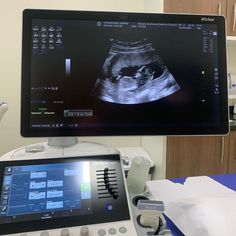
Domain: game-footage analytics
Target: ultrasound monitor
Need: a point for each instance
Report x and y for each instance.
(105, 73)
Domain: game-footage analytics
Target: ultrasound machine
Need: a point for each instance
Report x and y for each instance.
(104, 74)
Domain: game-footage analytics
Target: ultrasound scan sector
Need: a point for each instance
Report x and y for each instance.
(133, 73)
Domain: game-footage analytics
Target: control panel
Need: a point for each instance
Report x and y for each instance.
(83, 195)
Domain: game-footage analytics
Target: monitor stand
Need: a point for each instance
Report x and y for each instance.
(62, 141)
(72, 146)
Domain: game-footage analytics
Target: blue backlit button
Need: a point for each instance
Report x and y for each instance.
(122, 230)
(101, 232)
(109, 207)
(44, 233)
(112, 231)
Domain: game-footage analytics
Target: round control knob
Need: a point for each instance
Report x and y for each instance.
(84, 231)
(101, 232)
(112, 231)
(122, 230)
(44, 233)
(65, 232)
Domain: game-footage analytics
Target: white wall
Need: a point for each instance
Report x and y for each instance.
(10, 70)
(231, 56)
(153, 6)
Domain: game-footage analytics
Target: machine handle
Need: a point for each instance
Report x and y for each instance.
(219, 8)
(222, 149)
(234, 19)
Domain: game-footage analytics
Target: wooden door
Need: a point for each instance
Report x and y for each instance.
(232, 153)
(231, 17)
(196, 6)
(192, 156)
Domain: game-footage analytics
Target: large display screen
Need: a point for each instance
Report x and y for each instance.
(91, 73)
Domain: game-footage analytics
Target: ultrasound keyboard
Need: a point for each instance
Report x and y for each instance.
(66, 196)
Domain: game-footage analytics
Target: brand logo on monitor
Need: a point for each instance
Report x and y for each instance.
(207, 19)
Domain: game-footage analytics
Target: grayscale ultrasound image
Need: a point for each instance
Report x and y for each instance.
(133, 73)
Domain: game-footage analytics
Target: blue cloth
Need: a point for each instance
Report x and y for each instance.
(228, 180)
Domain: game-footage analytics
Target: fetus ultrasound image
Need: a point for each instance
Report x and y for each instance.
(134, 73)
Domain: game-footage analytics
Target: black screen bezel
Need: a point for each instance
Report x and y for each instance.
(69, 221)
(29, 15)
